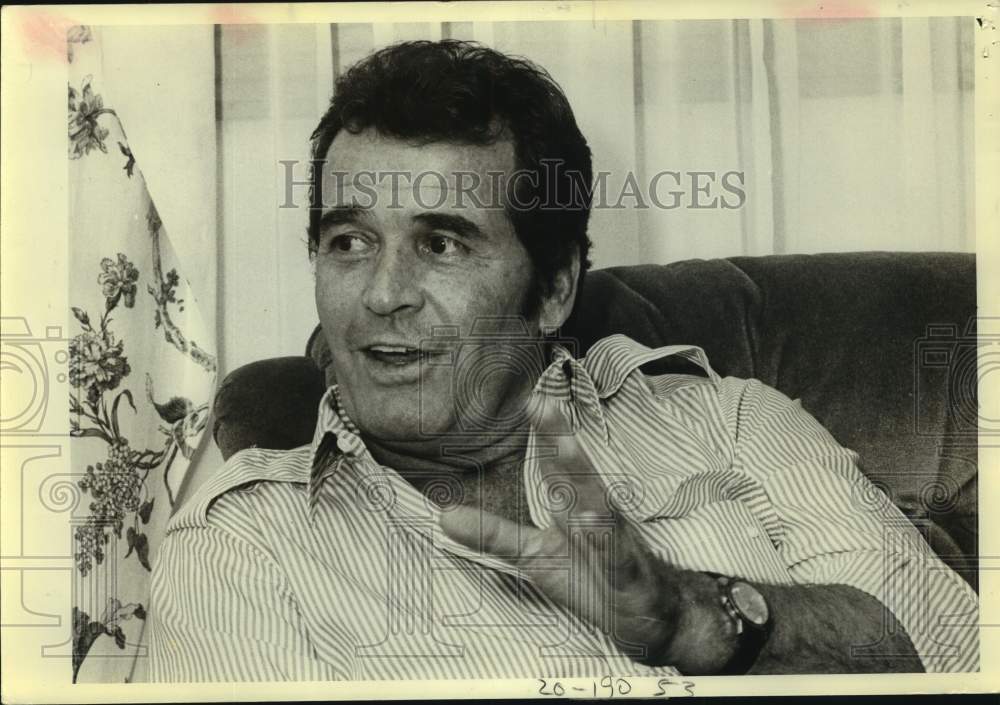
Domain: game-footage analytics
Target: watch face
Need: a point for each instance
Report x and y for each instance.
(749, 602)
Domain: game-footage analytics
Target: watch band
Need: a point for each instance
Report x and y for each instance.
(751, 637)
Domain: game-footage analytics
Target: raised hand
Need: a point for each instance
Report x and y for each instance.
(615, 582)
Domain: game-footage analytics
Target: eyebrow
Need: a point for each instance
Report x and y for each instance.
(342, 215)
(348, 214)
(455, 223)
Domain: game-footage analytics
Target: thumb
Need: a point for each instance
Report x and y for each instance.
(485, 532)
(565, 463)
(549, 419)
(554, 432)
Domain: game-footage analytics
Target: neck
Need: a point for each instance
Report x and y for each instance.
(464, 453)
(424, 458)
(480, 472)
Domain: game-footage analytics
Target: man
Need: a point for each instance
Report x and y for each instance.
(477, 502)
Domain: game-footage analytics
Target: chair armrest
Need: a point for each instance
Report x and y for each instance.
(268, 404)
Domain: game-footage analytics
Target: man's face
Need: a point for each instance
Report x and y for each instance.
(397, 260)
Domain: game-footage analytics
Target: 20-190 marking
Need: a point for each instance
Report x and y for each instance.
(610, 687)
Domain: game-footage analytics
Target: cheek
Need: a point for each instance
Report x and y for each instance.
(487, 296)
(333, 300)
(506, 292)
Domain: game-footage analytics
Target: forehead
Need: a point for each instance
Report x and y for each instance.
(383, 163)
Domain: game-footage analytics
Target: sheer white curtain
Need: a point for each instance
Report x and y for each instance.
(142, 367)
(274, 82)
(842, 134)
(163, 88)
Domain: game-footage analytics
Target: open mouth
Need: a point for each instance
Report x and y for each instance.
(399, 355)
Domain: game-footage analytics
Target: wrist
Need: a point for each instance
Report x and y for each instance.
(704, 638)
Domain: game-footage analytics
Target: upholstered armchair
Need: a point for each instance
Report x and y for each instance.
(878, 346)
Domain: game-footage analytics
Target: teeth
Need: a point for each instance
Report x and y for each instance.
(391, 349)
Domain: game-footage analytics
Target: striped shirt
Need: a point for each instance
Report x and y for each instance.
(289, 566)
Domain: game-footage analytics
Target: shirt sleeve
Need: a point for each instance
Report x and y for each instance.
(838, 528)
(221, 610)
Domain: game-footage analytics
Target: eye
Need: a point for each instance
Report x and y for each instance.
(342, 244)
(442, 245)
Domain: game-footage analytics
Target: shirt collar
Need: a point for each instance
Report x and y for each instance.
(567, 379)
(611, 360)
(334, 438)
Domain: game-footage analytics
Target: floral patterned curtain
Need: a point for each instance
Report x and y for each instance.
(141, 370)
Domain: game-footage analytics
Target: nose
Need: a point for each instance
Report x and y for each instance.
(393, 285)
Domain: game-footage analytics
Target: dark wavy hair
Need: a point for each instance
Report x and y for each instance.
(464, 93)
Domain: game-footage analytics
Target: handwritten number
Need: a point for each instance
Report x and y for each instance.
(665, 683)
(620, 686)
(606, 683)
(557, 688)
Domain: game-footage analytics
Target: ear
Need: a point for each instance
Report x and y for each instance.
(558, 303)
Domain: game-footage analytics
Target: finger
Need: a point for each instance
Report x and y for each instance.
(594, 537)
(579, 580)
(618, 551)
(573, 483)
(596, 585)
(546, 416)
(486, 532)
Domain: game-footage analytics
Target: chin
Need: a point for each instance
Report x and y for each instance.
(399, 413)
(394, 419)
(408, 429)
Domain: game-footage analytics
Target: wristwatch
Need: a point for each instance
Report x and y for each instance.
(751, 620)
